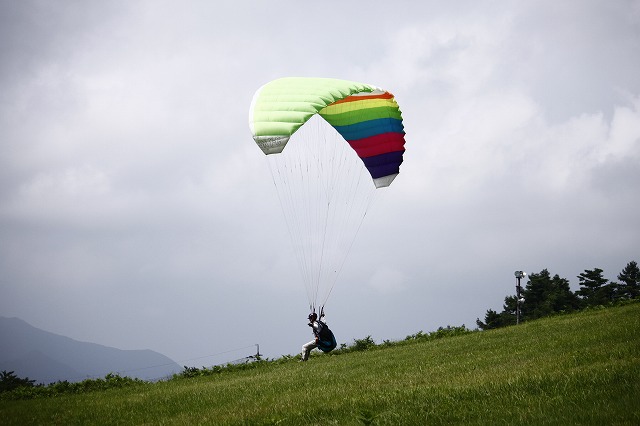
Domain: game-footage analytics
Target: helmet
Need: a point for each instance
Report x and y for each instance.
(312, 315)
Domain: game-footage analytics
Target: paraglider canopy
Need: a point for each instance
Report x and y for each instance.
(367, 117)
(326, 141)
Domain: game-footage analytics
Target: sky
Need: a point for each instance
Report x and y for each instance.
(137, 212)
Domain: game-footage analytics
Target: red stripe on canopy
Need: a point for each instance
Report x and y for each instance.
(378, 144)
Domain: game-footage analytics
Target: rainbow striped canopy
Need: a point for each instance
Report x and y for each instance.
(367, 117)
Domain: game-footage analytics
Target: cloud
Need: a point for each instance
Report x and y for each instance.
(130, 188)
(387, 280)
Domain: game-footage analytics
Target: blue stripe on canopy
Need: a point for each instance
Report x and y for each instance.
(365, 129)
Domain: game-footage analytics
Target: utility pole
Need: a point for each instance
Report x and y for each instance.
(257, 356)
(519, 299)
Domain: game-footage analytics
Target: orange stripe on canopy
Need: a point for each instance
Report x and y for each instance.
(385, 95)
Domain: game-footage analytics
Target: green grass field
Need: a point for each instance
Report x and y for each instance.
(582, 369)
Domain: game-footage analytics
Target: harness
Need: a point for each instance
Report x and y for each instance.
(326, 339)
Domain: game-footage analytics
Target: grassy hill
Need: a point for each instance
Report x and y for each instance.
(582, 368)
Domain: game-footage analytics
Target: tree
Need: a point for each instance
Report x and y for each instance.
(9, 381)
(545, 295)
(509, 309)
(492, 319)
(629, 286)
(562, 298)
(535, 295)
(595, 289)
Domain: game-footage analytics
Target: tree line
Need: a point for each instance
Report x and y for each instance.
(545, 295)
(13, 387)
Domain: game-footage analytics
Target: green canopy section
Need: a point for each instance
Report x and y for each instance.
(280, 107)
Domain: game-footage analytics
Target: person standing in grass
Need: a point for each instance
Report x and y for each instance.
(323, 336)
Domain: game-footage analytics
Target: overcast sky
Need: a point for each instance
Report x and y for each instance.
(137, 212)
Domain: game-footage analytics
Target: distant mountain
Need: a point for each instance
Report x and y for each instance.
(47, 357)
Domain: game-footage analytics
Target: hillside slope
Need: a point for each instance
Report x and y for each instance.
(574, 369)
